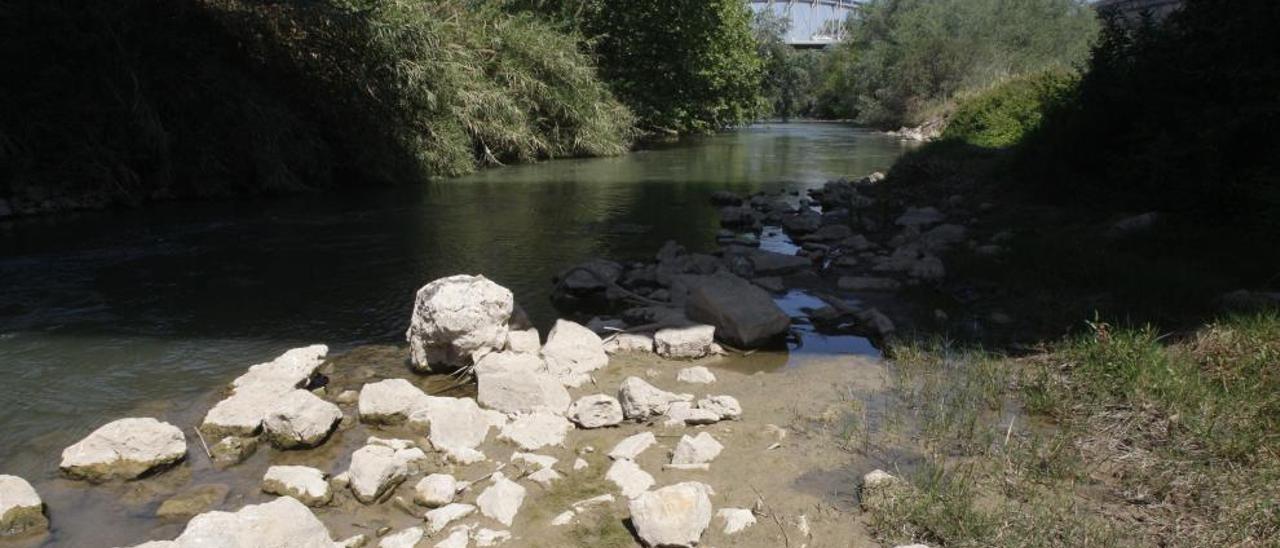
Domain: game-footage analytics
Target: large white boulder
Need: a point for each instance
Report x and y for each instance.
(536, 430)
(501, 501)
(390, 401)
(675, 515)
(375, 470)
(281, 523)
(641, 400)
(125, 449)
(596, 411)
(700, 449)
(300, 419)
(457, 317)
(519, 383)
(572, 352)
(21, 510)
(435, 490)
(694, 341)
(304, 483)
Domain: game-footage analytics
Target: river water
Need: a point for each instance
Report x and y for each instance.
(108, 314)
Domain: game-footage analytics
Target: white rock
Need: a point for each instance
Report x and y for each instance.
(459, 537)
(700, 449)
(675, 515)
(390, 401)
(726, 406)
(288, 371)
(736, 519)
(525, 341)
(462, 455)
(563, 518)
(456, 317)
(878, 478)
(281, 523)
(21, 510)
(406, 538)
(435, 490)
(501, 501)
(684, 342)
(696, 417)
(490, 537)
(304, 483)
(545, 477)
(641, 400)
(696, 375)
(375, 470)
(678, 411)
(596, 411)
(580, 464)
(441, 517)
(536, 430)
(454, 423)
(519, 383)
(572, 352)
(125, 449)
(300, 419)
(631, 446)
(629, 478)
(628, 342)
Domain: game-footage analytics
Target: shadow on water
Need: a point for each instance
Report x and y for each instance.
(108, 313)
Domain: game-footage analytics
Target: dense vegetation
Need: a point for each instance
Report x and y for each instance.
(141, 99)
(790, 76)
(1006, 113)
(905, 60)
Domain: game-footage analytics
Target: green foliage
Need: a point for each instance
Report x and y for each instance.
(1180, 116)
(681, 66)
(1002, 115)
(790, 76)
(145, 99)
(905, 59)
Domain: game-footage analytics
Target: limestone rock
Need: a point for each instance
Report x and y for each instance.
(696, 375)
(501, 501)
(21, 510)
(300, 419)
(536, 430)
(684, 342)
(596, 411)
(519, 383)
(405, 538)
(288, 371)
(304, 483)
(726, 406)
(390, 401)
(375, 470)
(675, 515)
(629, 477)
(700, 449)
(232, 450)
(435, 490)
(572, 352)
(441, 517)
(743, 314)
(281, 523)
(525, 341)
(641, 400)
(456, 317)
(454, 423)
(490, 537)
(257, 392)
(736, 519)
(125, 449)
(628, 342)
(631, 447)
(459, 537)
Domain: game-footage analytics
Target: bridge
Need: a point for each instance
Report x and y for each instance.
(814, 23)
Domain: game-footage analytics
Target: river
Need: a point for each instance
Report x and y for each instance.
(112, 313)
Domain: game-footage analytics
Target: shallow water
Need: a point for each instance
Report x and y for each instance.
(114, 313)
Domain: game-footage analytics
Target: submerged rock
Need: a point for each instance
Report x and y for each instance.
(232, 450)
(193, 501)
(21, 510)
(743, 314)
(304, 483)
(455, 318)
(690, 342)
(596, 411)
(572, 352)
(300, 420)
(125, 449)
(675, 515)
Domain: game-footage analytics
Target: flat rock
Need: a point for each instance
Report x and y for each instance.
(125, 449)
(288, 371)
(743, 314)
(281, 523)
(501, 500)
(631, 447)
(300, 419)
(629, 477)
(736, 519)
(689, 342)
(21, 510)
(304, 483)
(441, 517)
(519, 383)
(404, 538)
(641, 400)
(456, 317)
(453, 423)
(536, 430)
(628, 342)
(435, 490)
(726, 406)
(390, 401)
(675, 515)
(696, 375)
(596, 411)
(700, 449)
(572, 352)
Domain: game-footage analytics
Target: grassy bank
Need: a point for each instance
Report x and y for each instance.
(1126, 437)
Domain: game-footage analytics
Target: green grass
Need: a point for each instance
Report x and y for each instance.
(1005, 113)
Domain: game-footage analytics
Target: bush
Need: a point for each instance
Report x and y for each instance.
(1002, 115)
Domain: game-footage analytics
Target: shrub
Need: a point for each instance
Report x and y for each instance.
(1002, 115)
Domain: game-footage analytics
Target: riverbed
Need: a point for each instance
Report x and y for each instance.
(108, 314)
